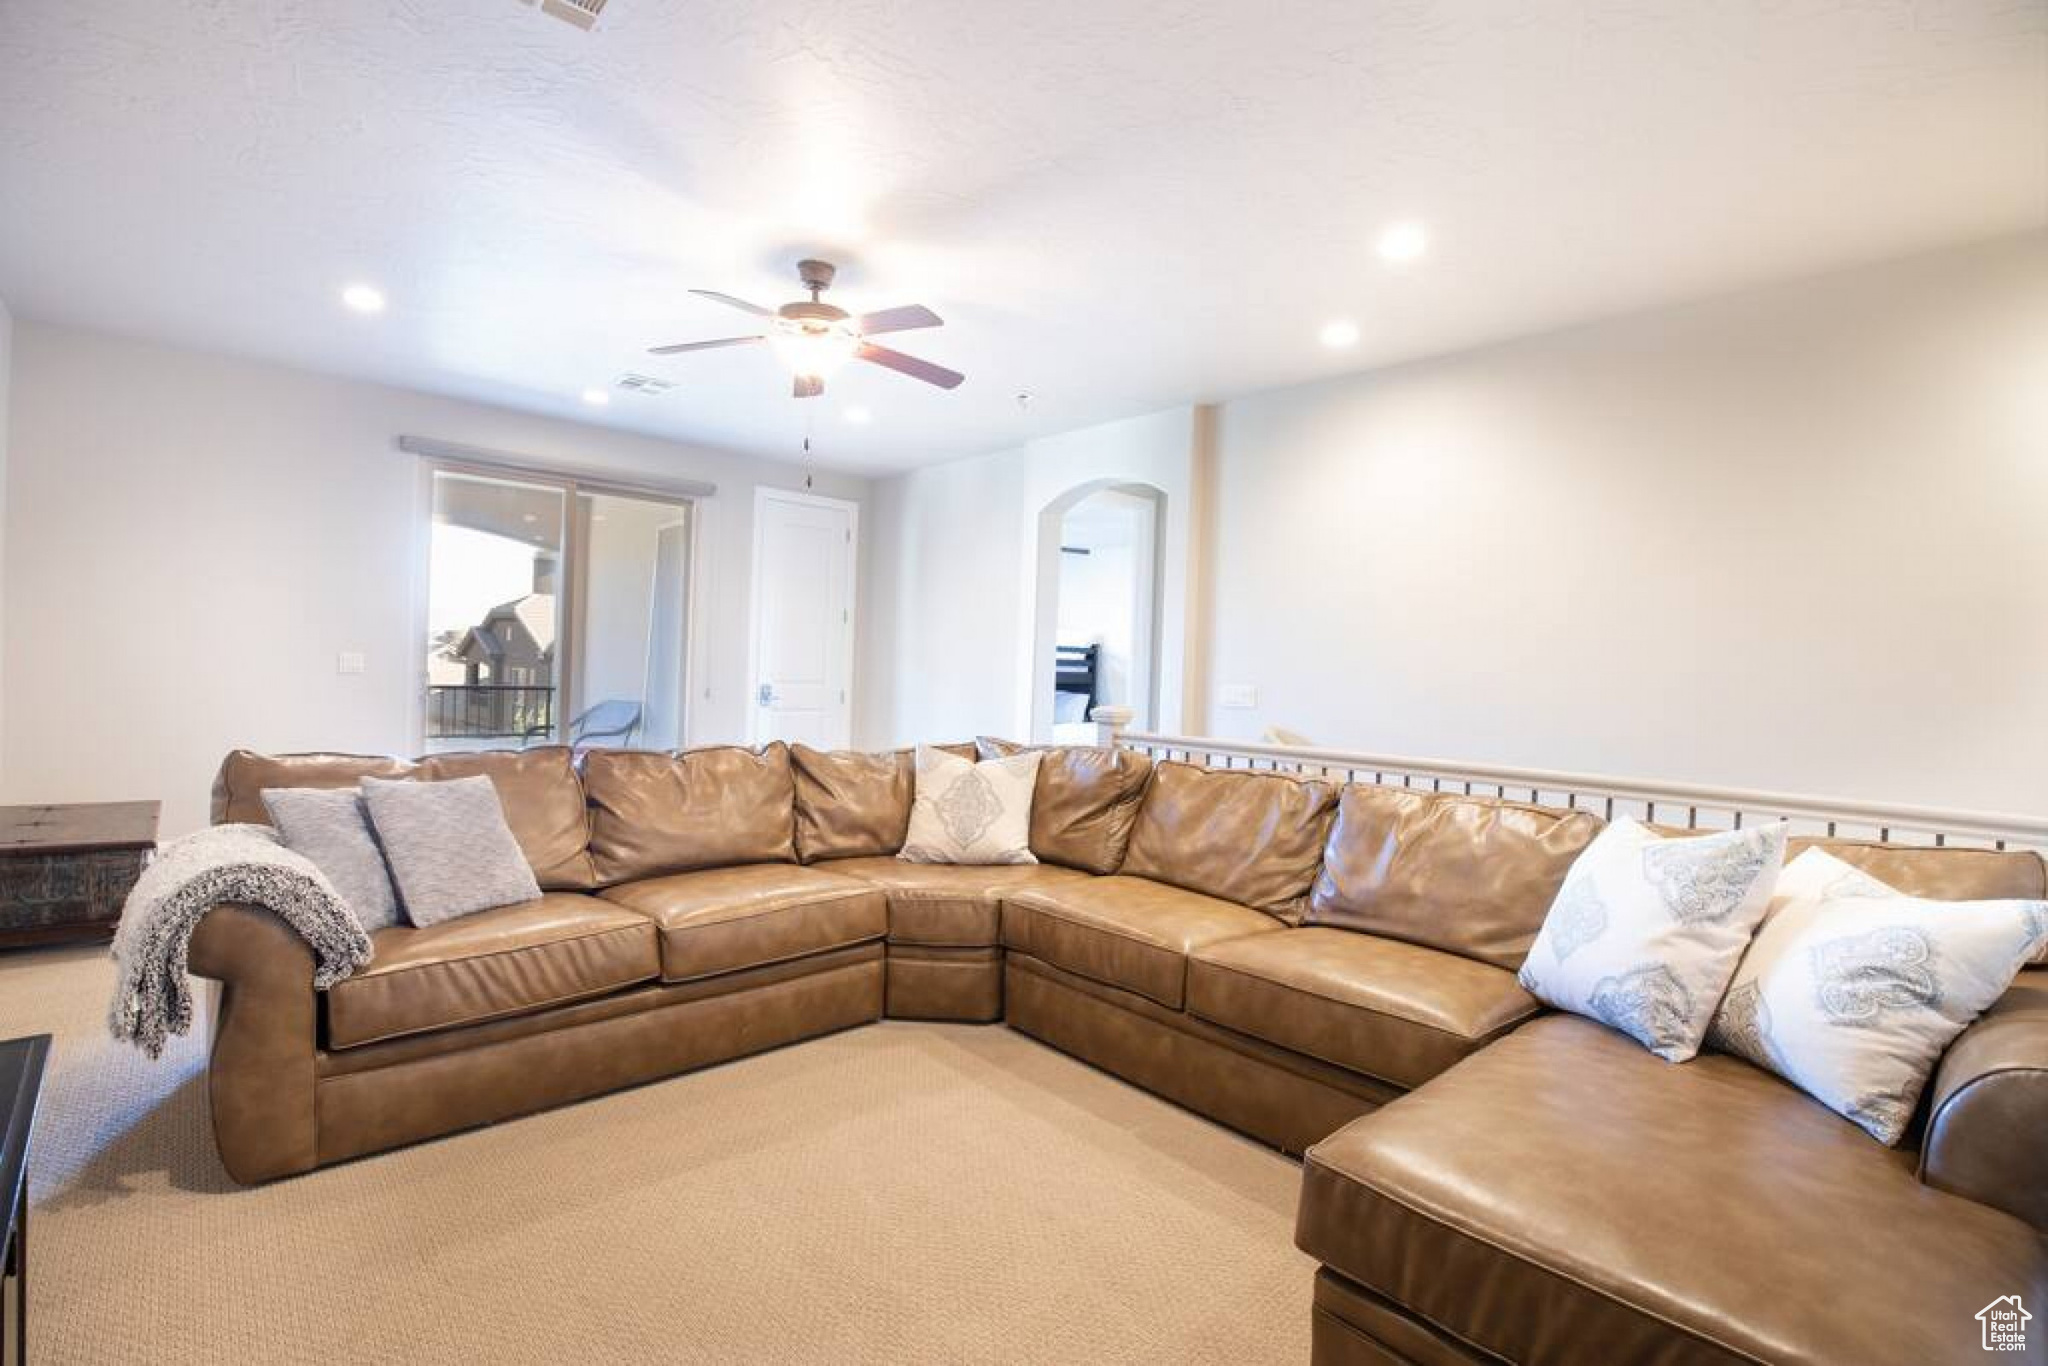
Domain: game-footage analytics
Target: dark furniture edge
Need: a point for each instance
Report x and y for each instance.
(20, 1118)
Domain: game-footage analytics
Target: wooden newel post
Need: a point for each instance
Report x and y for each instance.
(1110, 724)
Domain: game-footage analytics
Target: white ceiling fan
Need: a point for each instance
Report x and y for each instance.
(815, 338)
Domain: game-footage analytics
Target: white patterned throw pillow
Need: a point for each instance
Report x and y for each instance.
(1853, 990)
(1646, 931)
(968, 812)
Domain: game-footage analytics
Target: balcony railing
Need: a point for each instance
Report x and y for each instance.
(482, 711)
(1681, 804)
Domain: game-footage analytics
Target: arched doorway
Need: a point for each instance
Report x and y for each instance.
(1097, 636)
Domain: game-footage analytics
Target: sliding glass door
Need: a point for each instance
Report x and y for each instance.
(493, 612)
(631, 600)
(556, 613)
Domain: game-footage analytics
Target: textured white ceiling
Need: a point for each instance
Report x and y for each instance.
(1117, 205)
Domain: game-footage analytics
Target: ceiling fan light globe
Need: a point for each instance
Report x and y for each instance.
(813, 349)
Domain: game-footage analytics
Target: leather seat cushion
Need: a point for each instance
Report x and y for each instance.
(953, 905)
(1395, 1011)
(1128, 932)
(1565, 1196)
(512, 960)
(724, 919)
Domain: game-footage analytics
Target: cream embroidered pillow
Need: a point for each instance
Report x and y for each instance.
(967, 812)
(1853, 990)
(1645, 932)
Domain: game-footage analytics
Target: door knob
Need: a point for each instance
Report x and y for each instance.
(765, 695)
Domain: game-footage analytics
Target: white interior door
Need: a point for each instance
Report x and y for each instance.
(803, 618)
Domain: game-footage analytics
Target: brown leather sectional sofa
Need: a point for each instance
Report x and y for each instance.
(1545, 1190)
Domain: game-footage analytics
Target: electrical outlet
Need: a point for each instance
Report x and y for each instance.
(349, 662)
(1238, 695)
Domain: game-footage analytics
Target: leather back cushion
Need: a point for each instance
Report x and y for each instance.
(1086, 802)
(654, 813)
(1252, 838)
(543, 801)
(1942, 874)
(539, 789)
(1468, 875)
(244, 774)
(1945, 874)
(851, 805)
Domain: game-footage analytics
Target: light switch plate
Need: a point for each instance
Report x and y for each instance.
(1238, 695)
(349, 662)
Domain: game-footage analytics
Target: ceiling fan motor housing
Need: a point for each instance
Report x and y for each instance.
(816, 275)
(812, 312)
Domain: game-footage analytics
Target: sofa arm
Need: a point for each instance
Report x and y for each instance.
(1988, 1107)
(260, 1068)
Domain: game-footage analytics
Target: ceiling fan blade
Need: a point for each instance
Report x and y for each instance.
(910, 365)
(701, 346)
(897, 320)
(809, 386)
(740, 304)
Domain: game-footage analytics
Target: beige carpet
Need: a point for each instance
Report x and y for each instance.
(898, 1193)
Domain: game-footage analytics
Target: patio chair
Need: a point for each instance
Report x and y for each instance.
(616, 718)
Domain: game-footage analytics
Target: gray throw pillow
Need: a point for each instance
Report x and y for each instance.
(450, 850)
(329, 826)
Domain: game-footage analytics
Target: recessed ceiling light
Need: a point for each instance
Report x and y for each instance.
(859, 417)
(596, 398)
(532, 517)
(1401, 243)
(1339, 334)
(363, 299)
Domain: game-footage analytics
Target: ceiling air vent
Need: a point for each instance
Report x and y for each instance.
(582, 13)
(644, 384)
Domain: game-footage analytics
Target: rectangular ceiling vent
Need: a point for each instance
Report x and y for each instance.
(644, 384)
(582, 13)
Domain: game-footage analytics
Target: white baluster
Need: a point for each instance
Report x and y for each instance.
(1110, 723)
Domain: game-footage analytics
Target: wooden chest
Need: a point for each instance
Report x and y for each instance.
(66, 870)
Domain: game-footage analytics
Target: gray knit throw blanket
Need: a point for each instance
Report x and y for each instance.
(188, 878)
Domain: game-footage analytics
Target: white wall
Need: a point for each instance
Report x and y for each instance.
(6, 406)
(963, 567)
(938, 652)
(1793, 541)
(190, 539)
